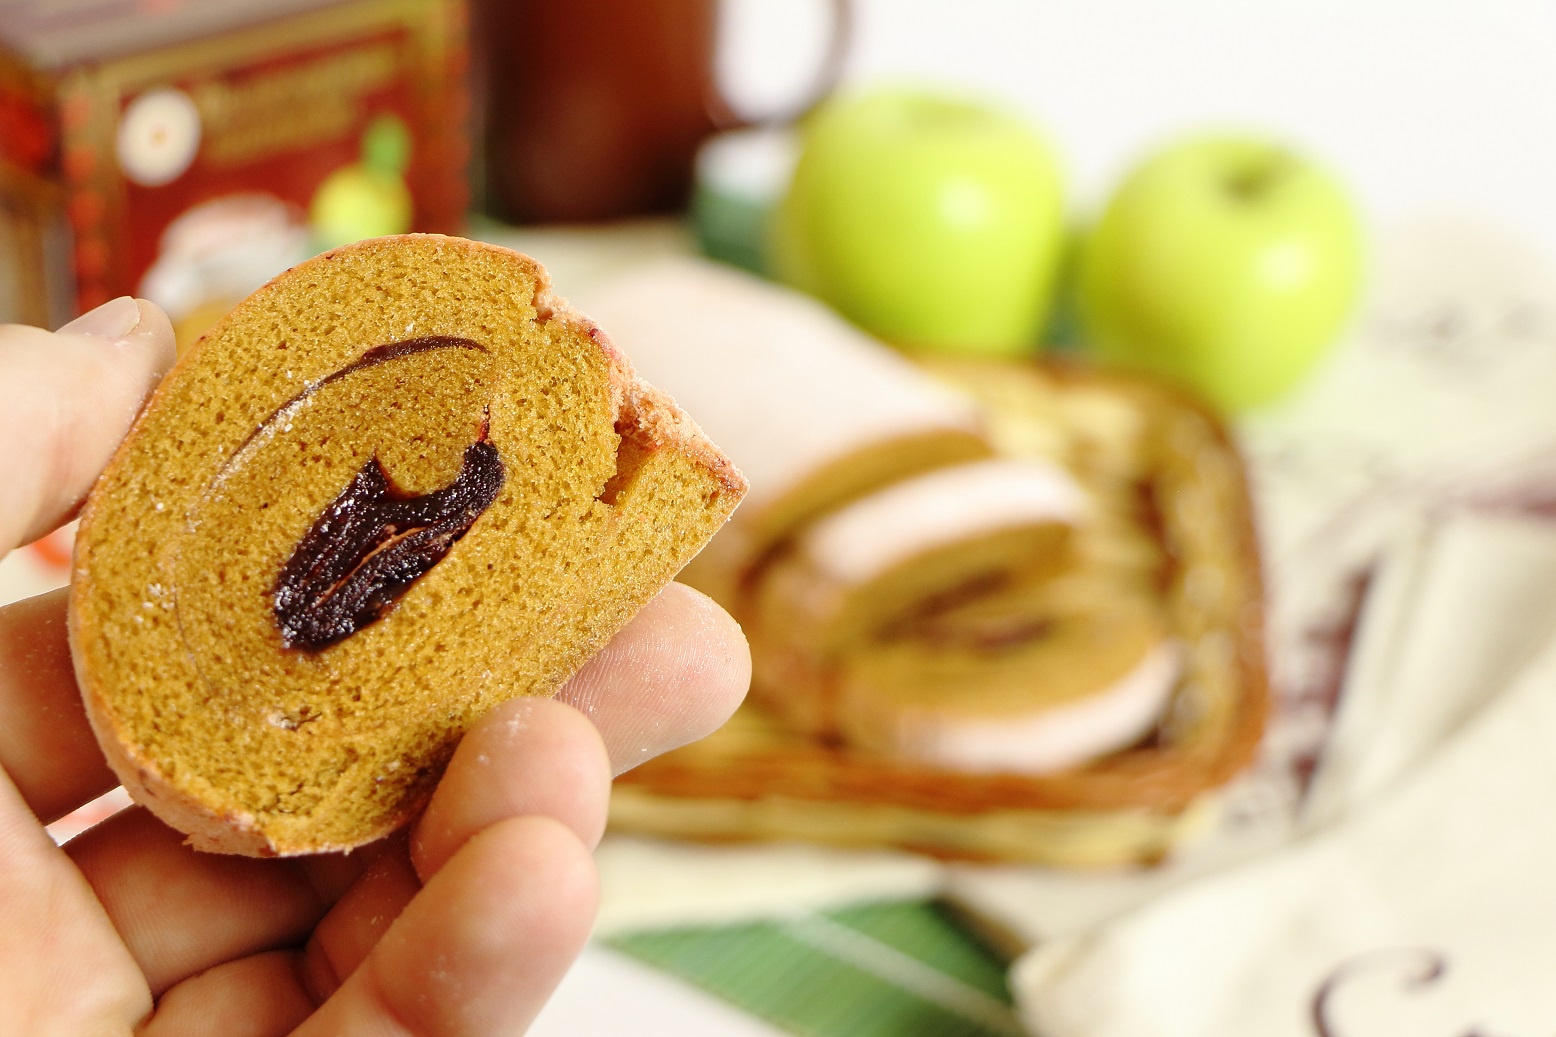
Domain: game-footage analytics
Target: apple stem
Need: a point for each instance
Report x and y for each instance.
(1249, 183)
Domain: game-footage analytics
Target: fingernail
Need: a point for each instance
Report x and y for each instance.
(113, 319)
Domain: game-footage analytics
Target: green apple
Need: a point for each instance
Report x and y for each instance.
(932, 221)
(1225, 263)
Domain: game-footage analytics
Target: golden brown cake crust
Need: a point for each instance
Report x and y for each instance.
(641, 404)
(415, 361)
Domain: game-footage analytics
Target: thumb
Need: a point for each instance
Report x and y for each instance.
(66, 400)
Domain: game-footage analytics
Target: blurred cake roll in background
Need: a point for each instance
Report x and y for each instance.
(996, 609)
(1034, 680)
(873, 571)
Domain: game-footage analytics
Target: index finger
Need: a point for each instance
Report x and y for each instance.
(672, 675)
(66, 400)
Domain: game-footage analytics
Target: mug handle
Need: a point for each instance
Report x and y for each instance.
(828, 73)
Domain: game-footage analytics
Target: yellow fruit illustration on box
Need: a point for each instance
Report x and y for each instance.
(368, 198)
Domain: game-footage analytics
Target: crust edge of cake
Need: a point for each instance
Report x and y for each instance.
(211, 828)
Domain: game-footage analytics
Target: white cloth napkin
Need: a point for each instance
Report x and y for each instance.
(1458, 610)
(1438, 399)
(1427, 908)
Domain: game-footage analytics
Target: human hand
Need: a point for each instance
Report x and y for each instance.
(461, 925)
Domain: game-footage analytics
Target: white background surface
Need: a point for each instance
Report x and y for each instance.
(1430, 104)
(608, 993)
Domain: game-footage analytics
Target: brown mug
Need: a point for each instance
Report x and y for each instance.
(595, 109)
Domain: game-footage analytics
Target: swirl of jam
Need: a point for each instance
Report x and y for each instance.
(373, 541)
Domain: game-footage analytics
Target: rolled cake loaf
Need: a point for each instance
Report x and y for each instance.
(400, 484)
(1082, 718)
(812, 410)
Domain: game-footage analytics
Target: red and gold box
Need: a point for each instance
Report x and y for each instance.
(186, 150)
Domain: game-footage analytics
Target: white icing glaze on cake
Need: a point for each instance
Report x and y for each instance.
(938, 509)
(1052, 739)
(779, 381)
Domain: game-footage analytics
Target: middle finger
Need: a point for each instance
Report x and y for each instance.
(532, 757)
(180, 911)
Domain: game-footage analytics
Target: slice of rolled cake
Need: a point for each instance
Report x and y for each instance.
(873, 566)
(400, 484)
(811, 409)
(1029, 679)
